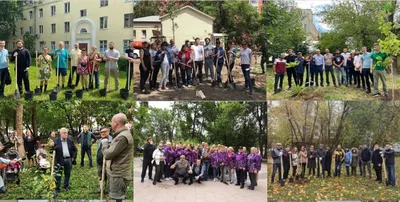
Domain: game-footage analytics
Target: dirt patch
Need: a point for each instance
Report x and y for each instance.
(211, 93)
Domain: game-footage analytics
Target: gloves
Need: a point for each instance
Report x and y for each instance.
(280, 153)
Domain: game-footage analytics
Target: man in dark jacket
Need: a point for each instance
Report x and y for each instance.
(286, 162)
(148, 150)
(23, 62)
(65, 156)
(366, 157)
(276, 154)
(321, 158)
(360, 148)
(197, 173)
(377, 163)
(85, 140)
(339, 158)
(327, 162)
(291, 71)
(388, 154)
(300, 69)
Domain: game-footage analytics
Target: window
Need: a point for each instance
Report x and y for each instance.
(144, 34)
(40, 12)
(134, 34)
(22, 31)
(128, 20)
(83, 31)
(53, 28)
(41, 45)
(53, 10)
(66, 45)
(83, 13)
(67, 7)
(30, 15)
(126, 44)
(30, 30)
(103, 45)
(40, 29)
(103, 22)
(103, 3)
(66, 26)
(53, 46)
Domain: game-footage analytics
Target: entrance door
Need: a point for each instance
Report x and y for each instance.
(83, 46)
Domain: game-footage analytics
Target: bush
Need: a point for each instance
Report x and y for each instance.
(123, 64)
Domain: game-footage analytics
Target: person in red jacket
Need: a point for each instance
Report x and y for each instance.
(185, 59)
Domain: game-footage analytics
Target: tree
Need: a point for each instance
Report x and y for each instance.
(12, 11)
(146, 8)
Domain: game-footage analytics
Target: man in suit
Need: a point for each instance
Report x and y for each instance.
(65, 154)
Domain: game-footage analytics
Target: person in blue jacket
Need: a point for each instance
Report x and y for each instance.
(347, 160)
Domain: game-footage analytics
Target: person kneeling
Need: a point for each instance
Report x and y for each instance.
(197, 172)
(182, 169)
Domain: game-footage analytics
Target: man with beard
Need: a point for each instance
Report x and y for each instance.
(360, 148)
(291, 71)
(23, 62)
(148, 150)
(388, 154)
(321, 158)
(327, 162)
(86, 139)
(111, 57)
(366, 156)
(328, 57)
(377, 163)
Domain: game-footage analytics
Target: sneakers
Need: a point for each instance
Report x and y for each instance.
(215, 179)
(376, 94)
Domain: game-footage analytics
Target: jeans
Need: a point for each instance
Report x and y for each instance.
(219, 70)
(357, 79)
(3, 76)
(206, 167)
(279, 76)
(391, 174)
(67, 167)
(96, 79)
(23, 76)
(187, 76)
(276, 167)
(319, 71)
(215, 172)
(154, 75)
(175, 67)
(144, 75)
(366, 75)
(246, 73)
(329, 69)
(209, 67)
(291, 72)
(338, 168)
(380, 74)
(165, 72)
(342, 71)
(348, 74)
(88, 151)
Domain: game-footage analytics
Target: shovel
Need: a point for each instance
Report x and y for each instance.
(384, 169)
(102, 179)
(291, 180)
(17, 95)
(91, 77)
(281, 181)
(176, 76)
(37, 89)
(214, 82)
(57, 89)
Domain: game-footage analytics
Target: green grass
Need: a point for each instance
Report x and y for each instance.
(91, 95)
(343, 188)
(324, 93)
(83, 183)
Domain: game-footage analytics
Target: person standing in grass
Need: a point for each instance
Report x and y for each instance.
(24, 62)
(388, 154)
(300, 69)
(86, 139)
(357, 69)
(279, 69)
(291, 71)
(347, 161)
(328, 57)
(366, 157)
(94, 62)
(120, 154)
(83, 69)
(264, 58)
(29, 143)
(351, 79)
(312, 164)
(319, 67)
(4, 66)
(295, 161)
(104, 134)
(339, 158)
(45, 65)
(327, 162)
(131, 62)
(61, 55)
(75, 54)
(346, 67)
(303, 160)
(367, 76)
(111, 57)
(377, 163)
(321, 158)
(378, 70)
(338, 62)
(354, 161)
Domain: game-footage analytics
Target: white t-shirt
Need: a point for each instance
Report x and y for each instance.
(245, 56)
(165, 61)
(198, 52)
(357, 61)
(346, 56)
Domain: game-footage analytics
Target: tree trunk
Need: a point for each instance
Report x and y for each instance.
(19, 126)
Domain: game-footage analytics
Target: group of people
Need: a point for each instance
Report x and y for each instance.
(322, 159)
(84, 63)
(201, 163)
(361, 69)
(188, 61)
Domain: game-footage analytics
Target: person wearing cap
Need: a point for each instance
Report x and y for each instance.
(158, 161)
(378, 70)
(279, 69)
(240, 160)
(389, 157)
(300, 69)
(377, 163)
(173, 54)
(347, 160)
(146, 66)
(111, 57)
(339, 158)
(276, 154)
(148, 150)
(366, 157)
(182, 169)
(321, 158)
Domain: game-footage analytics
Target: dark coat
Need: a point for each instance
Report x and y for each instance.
(377, 159)
(311, 160)
(148, 152)
(328, 160)
(59, 159)
(366, 155)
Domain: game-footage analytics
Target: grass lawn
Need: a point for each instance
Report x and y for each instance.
(326, 93)
(83, 183)
(91, 95)
(343, 188)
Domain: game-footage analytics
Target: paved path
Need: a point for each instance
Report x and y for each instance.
(209, 191)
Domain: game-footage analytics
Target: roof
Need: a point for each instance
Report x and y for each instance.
(194, 9)
(153, 18)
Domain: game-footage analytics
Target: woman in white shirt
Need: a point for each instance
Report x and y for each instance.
(198, 53)
(158, 162)
(245, 61)
(295, 160)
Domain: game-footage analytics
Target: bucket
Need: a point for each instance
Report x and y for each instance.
(79, 94)
(68, 94)
(53, 96)
(38, 91)
(103, 92)
(124, 93)
(28, 95)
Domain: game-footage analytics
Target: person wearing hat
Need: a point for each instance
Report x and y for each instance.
(321, 158)
(276, 156)
(182, 169)
(146, 66)
(366, 157)
(279, 69)
(240, 160)
(148, 150)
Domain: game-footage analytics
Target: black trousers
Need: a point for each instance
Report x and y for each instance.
(199, 70)
(378, 172)
(88, 151)
(58, 171)
(328, 170)
(193, 176)
(303, 171)
(147, 163)
(153, 82)
(357, 78)
(366, 76)
(129, 77)
(176, 177)
(291, 72)
(71, 78)
(313, 171)
(300, 78)
(176, 69)
(144, 75)
(286, 168)
(263, 63)
(240, 173)
(319, 72)
(23, 76)
(253, 179)
(294, 172)
(3, 76)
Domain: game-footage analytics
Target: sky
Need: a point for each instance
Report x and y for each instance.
(314, 5)
(161, 104)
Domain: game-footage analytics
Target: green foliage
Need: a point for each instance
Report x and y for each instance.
(146, 8)
(29, 43)
(11, 13)
(391, 43)
(123, 64)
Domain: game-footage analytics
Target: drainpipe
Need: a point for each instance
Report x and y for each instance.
(35, 24)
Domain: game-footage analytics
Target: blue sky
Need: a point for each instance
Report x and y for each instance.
(315, 5)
